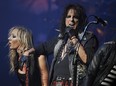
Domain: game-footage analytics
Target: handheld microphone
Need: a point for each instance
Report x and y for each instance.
(100, 20)
(69, 32)
(66, 38)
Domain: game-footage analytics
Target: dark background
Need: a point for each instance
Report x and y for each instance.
(43, 17)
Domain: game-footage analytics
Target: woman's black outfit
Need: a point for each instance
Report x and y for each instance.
(102, 70)
(32, 76)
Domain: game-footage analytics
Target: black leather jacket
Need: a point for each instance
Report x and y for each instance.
(102, 70)
(90, 44)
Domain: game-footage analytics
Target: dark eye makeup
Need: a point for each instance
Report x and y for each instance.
(68, 16)
(13, 36)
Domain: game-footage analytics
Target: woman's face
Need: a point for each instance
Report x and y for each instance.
(71, 19)
(13, 40)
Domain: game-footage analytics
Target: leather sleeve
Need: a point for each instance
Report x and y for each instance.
(95, 65)
(90, 47)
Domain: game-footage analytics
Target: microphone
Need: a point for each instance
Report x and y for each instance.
(100, 20)
(69, 32)
(66, 38)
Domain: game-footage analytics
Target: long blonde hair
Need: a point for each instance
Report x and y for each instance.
(26, 42)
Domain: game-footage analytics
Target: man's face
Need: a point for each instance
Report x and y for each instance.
(71, 19)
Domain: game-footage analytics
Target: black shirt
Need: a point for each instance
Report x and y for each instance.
(61, 68)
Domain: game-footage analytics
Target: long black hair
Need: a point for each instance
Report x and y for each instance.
(80, 13)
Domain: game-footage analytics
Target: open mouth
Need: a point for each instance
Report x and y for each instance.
(71, 25)
(9, 44)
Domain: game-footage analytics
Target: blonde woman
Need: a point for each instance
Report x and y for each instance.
(30, 71)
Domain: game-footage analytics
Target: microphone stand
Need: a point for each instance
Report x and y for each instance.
(75, 68)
